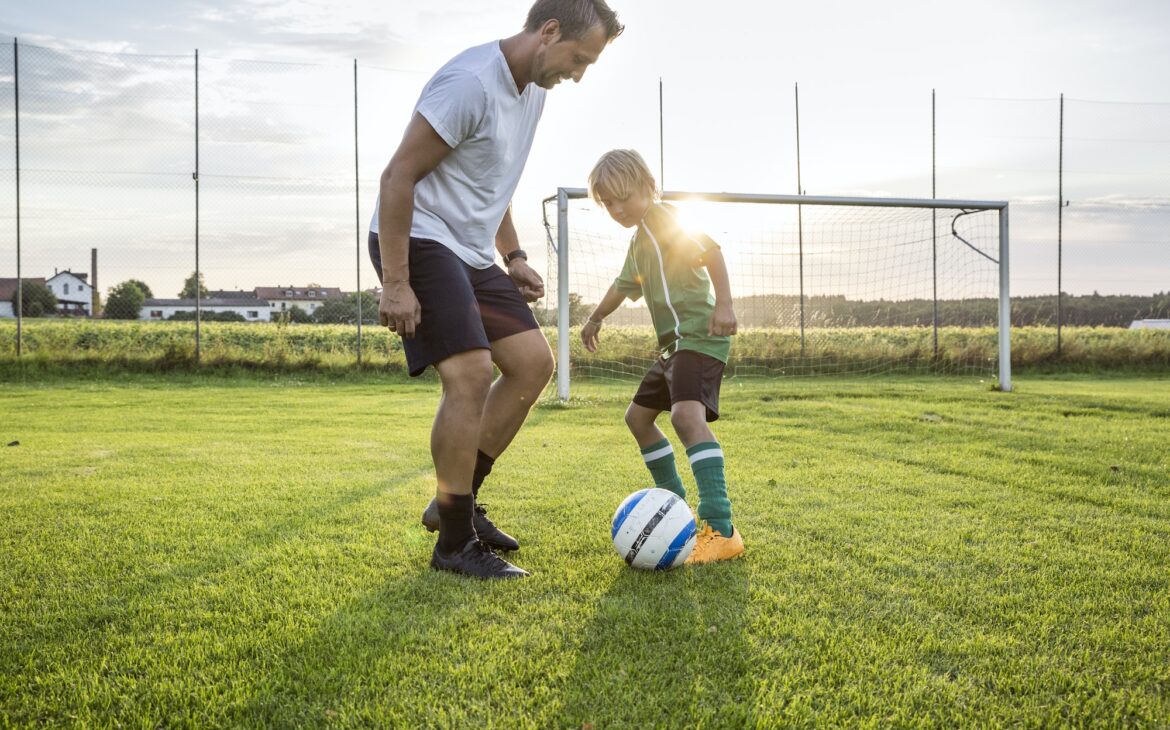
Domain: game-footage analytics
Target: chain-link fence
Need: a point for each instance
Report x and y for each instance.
(262, 175)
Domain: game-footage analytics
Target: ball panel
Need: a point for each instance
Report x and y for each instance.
(624, 509)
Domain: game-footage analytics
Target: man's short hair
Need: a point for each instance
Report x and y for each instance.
(621, 173)
(576, 17)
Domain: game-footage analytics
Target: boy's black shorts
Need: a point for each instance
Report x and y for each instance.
(685, 375)
(463, 308)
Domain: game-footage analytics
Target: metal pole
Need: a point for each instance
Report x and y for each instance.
(562, 294)
(357, 214)
(198, 299)
(1060, 231)
(799, 219)
(1005, 307)
(661, 142)
(934, 217)
(19, 280)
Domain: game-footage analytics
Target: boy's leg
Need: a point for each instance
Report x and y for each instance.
(694, 387)
(706, 458)
(655, 447)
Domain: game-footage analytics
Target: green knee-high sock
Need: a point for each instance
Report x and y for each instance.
(714, 506)
(659, 459)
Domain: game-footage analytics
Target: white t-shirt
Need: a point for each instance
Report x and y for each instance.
(473, 105)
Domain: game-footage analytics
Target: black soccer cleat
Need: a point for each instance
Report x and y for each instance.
(496, 538)
(476, 560)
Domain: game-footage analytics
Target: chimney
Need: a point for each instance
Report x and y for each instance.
(95, 304)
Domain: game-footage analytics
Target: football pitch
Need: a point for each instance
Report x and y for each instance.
(202, 552)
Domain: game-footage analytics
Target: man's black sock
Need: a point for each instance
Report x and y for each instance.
(455, 527)
(483, 467)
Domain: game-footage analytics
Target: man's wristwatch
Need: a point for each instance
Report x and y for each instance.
(513, 255)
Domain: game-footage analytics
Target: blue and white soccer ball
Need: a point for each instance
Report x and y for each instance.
(653, 529)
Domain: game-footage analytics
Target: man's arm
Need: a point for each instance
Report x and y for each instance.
(590, 333)
(722, 321)
(420, 152)
(529, 282)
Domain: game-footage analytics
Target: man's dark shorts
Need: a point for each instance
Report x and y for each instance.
(685, 375)
(463, 308)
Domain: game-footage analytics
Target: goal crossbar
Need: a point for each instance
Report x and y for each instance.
(565, 194)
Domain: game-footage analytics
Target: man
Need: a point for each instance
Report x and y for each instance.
(443, 214)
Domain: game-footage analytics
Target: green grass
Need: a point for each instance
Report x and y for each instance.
(201, 552)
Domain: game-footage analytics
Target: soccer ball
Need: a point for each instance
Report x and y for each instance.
(653, 529)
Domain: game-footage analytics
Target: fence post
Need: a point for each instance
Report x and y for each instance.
(357, 222)
(195, 175)
(934, 218)
(661, 141)
(799, 218)
(1060, 231)
(19, 280)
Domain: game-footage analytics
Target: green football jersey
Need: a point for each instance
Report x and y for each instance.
(663, 264)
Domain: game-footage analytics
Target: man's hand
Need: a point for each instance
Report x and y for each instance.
(399, 308)
(722, 322)
(529, 283)
(590, 334)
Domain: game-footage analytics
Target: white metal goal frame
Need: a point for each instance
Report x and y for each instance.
(564, 195)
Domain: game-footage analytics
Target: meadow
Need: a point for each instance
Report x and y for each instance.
(198, 551)
(66, 346)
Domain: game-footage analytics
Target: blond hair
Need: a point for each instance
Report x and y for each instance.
(620, 173)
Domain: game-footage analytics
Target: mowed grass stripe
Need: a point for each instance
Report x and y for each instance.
(920, 552)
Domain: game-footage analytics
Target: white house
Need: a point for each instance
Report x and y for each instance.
(250, 308)
(73, 292)
(8, 293)
(1150, 324)
(308, 298)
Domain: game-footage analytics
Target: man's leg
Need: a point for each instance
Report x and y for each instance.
(466, 379)
(525, 362)
(526, 365)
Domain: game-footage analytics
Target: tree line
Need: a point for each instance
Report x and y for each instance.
(125, 301)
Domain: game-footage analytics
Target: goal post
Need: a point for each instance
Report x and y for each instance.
(849, 285)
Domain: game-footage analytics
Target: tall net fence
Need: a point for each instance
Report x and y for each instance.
(277, 180)
(816, 288)
(288, 177)
(107, 154)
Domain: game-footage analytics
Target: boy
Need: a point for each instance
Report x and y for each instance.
(666, 265)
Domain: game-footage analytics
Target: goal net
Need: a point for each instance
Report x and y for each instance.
(820, 285)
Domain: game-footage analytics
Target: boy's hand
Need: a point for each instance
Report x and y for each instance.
(399, 309)
(590, 334)
(529, 283)
(722, 322)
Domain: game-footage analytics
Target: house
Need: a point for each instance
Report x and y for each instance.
(1150, 324)
(308, 298)
(250, 308)
(73, 292)
(8, 293)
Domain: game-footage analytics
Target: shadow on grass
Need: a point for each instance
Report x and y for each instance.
(665, 650)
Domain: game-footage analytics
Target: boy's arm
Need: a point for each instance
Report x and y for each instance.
(592, 329)
(527, 280)
(722, 322)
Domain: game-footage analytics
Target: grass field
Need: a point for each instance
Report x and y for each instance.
(201, 552)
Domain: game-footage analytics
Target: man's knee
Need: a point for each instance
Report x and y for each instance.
(467, 375)
(528, 359)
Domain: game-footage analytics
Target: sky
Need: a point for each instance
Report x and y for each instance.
(106, 150)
